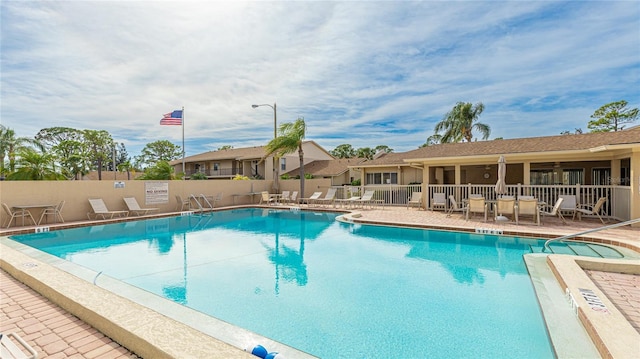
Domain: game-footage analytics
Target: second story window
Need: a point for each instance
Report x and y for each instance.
(283, 164)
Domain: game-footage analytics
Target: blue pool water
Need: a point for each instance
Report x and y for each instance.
(332, 289)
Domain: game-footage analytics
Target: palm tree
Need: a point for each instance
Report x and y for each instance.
(10, 145)
(35, 166)
(290, 139)
(458, 124)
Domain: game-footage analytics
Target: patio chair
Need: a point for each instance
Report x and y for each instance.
(569, 204)
(555, 210)
(98, 208)
(266, 198)
(529, 207)
(506, 206)
(17, 214)
(454, 206)
(329, 198)
(477, 205)
(367, 198)
(294, 197)
(416, 200)
(214, 199)
(439, 200)
(9, 349)
(591, 209)
(56, 212)
(285, 197)
(182, 203)
(134, 207)
(309, 201)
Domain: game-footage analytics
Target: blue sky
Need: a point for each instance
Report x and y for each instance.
(364, 73)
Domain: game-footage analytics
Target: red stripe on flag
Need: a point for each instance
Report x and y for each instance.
(171, 121)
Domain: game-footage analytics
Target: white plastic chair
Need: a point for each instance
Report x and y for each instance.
(416, 200)
(17, 214)
(439, 200)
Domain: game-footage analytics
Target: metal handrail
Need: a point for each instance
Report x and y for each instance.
(615, 225)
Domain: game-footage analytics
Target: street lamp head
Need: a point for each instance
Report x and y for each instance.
(254, 106)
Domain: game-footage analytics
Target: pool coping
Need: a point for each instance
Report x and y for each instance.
(608, 328)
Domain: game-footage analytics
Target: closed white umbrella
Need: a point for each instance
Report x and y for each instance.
(501, 186)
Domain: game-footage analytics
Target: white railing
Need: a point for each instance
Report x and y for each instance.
(618, 204)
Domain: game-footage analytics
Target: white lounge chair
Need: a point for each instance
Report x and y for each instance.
(309, 201)
(285, 197)
(98, 208)
(439, 200)
(415, 200)
(294, 197)
(591, 209)
(555, 210)
(367, 198)
(134, 207)
(329, 198)
(17, 214)
(9, 349)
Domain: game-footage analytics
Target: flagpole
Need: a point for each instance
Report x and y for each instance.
(183, 169)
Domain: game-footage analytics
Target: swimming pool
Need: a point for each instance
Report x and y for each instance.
(331, 289)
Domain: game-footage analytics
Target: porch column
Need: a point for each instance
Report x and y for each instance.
(425, 185)
(615, 171)
(635, 186)
(526, 169)
(457, 179)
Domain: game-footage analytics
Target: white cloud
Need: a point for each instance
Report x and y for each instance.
(364, 73)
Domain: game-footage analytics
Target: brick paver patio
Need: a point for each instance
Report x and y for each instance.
(49, 329)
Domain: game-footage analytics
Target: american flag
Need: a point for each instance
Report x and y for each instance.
(172, 118)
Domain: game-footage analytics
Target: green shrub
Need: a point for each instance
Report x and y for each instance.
(198, 176)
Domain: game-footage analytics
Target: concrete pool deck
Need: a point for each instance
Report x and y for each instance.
(612, 336)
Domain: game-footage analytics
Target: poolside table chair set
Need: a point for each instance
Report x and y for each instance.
(23, 213)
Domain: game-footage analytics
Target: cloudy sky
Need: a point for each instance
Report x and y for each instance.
(365, 73)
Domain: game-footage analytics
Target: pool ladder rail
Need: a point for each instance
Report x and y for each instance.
(547, 244)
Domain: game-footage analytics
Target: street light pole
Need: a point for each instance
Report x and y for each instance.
(275, 135)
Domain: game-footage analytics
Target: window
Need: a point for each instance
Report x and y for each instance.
(216, 166)
(601, 176)
(382, 178)
(283, 164)
(554, 176)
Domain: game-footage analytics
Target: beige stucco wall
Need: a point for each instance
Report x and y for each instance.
(76, 193)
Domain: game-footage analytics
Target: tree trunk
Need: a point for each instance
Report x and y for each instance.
(301, 155)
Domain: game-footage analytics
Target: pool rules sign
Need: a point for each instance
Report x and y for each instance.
(156, 192)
